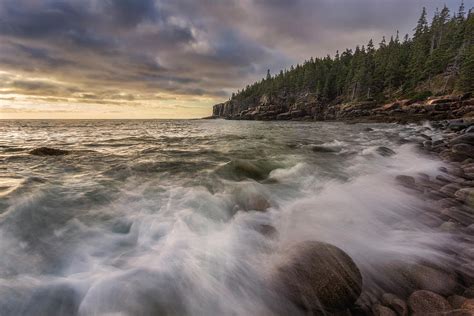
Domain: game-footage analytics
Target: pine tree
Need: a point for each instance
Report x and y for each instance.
(442, 49)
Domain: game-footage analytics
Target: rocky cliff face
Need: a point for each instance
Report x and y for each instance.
(308, 107)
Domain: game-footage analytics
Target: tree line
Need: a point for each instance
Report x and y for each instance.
(437, 59)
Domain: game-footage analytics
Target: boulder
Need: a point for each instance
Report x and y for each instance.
(249, 199)
(458, 214)
(385, 151)
(463, 139)
(325, 149)
(446, 203)
(449, 227)
(426, 302)
(318, 276)
(450, 189)
(466, 195)
(425, 277)
(463, 149)
(406, 181)
(241, 169)
(449, 155)
(47, 151)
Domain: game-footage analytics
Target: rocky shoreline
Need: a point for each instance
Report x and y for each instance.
(308, 107)
(431, 289)
(320, 278)
(427, 288)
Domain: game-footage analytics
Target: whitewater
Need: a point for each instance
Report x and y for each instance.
(188, 217)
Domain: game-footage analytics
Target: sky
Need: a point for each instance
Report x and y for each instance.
(63, 59)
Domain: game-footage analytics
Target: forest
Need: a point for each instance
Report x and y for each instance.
(437, 59)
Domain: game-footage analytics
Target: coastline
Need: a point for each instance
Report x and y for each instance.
(447, 290)
(431, 288)
(307, 107)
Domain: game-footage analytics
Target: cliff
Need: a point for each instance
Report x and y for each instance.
(308, 107)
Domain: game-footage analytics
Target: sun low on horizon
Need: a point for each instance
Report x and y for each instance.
(169, 59)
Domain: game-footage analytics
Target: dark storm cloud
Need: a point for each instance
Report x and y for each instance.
(134, 50)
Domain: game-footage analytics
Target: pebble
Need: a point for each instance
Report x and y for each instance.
(380, 310)
(395, 303)
(468, 305)
(456, 301)
(463, 149)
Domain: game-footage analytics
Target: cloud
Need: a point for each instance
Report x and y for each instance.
(137, 51)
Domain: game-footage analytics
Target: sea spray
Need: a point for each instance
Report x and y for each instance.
(174, 230)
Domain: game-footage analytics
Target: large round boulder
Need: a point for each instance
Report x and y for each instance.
(318, 276)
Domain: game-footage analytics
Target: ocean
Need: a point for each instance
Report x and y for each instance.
(188, 217)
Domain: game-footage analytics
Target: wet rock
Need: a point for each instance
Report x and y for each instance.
(449, 155)
(121, 226)
(447, 178)
(457, 125)
(455, 171)
(463, 149)
(463, 139)
(248, 199)
(456, 301)
(385, 151)
(315, 276)
(267, 230)
(366, 301)
(432, 279)
(406, 181)
(469, 292)
(450, 189)
(429, 220)
(46, 151)
(466, 195)
(468, 305)
(380, 310)
(446, 203)
(325, 149)
(449, 227)
(438, 142)
(426, 302)
(434, 195)
(457, 214)
(241, 169)
(395, 303)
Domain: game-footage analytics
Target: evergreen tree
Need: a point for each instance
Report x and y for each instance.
(441, 49)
